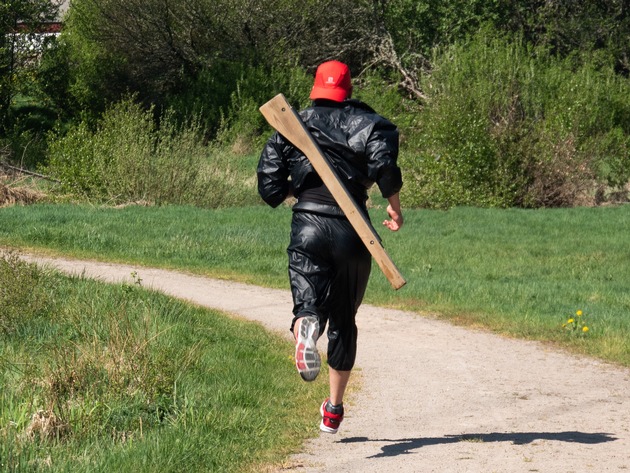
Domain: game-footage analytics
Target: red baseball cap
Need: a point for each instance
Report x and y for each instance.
(332, 82)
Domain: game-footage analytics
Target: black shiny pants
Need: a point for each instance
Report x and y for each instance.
(329, 268)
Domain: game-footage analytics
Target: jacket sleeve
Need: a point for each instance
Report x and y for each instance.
(273, 172)
(382, 153)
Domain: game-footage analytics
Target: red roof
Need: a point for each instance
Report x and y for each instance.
(52, 27)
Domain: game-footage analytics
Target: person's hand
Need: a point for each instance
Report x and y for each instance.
(396, 219)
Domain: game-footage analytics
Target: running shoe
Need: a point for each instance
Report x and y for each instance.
(307, 358)
(331, 417)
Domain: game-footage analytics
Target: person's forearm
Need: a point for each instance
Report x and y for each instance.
(395, 213)
(394, 201)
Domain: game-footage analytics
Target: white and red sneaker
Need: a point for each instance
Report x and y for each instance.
(307, 358)
(331, 417)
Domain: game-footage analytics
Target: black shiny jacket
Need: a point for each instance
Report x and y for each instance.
(361, 146)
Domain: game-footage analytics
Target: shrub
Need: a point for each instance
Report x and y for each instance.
(129, 158)
(24, 139)
(207, 94)
(507, 125)
(380, 91)
(243, 127)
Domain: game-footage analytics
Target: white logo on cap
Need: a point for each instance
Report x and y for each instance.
(330, 80)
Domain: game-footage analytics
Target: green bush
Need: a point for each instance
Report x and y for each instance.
(511, 126)
(379, 91)
(80, 74)
(243, 127)
(25, 148)
(24, 137)
(129, 158)
(206, 94)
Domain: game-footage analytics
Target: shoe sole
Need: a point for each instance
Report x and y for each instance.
(323, 427)
(307, 360)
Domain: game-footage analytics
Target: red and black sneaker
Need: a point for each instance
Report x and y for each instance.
(331, 417)
(307, 358)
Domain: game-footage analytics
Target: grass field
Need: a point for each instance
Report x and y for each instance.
(520, 272)
(116, 378)
(102, 377)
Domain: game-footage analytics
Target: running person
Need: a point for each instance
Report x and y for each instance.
(329, 265)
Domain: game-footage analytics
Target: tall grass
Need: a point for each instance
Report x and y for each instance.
(118, 378)
(520, 272)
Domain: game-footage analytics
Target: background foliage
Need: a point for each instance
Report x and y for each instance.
(129, 158)
(509, 125)
(499, 103)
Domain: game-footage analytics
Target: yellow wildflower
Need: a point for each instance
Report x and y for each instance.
(585, 329)
(579, 313)
(570, 321)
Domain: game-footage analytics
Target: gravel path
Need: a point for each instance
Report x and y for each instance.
(436, 397)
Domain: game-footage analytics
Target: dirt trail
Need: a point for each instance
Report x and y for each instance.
(435, 397)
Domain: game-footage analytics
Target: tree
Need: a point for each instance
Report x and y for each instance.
(19, 19)
(157, 48)
(162, 42)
